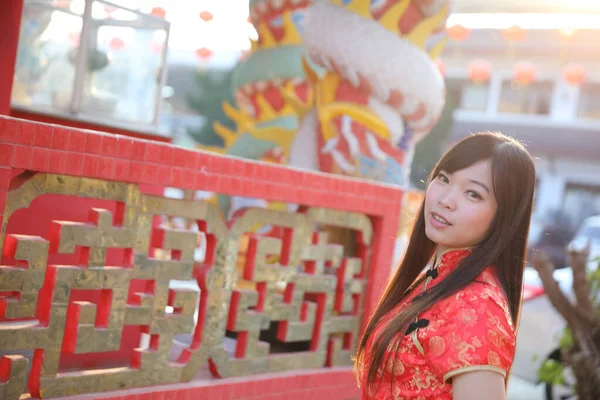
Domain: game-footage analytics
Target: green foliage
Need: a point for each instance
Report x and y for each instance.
(213, 88)
(566, 340)
(551, 371)
(594, 282)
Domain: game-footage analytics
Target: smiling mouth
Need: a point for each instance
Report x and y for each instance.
(440, 219)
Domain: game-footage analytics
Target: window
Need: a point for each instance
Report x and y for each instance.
(581, 201)
(589, 102)
(532, 99)
(45, 67)
(474, 97)
(471, 96)
(119, 76)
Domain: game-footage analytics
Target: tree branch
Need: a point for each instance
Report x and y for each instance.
(581, 287)
(544, 268)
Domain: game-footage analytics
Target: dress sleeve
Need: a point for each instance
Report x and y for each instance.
(473, 331)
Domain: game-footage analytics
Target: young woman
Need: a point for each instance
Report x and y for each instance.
(449, 332)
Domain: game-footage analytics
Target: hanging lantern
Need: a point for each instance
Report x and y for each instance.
(567, 33)
(206, 16)
(440, 66)
(116, 43)
(204, 53)
(109, 10)
(514, 34)
(458, 33)
(479, 71)
(61, 3)
(574, 74)
(158, 12)
(525, 72)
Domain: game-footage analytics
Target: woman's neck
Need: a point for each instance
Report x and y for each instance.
(442, 250)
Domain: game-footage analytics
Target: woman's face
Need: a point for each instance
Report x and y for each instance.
(460, 207)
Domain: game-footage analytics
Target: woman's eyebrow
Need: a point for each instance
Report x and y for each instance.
(480, 184)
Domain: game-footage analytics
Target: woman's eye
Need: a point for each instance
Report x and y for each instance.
(474, 195)
(443, 178)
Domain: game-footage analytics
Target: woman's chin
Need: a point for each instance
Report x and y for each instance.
(439, 238)
(433, 234)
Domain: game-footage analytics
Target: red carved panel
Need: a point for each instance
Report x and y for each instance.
(89, 250)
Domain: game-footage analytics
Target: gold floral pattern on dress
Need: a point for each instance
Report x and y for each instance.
(468, 317)
(488, 278)
(498, 334)
(437, 345)
(468, 331)
(494, 359)
(465, 353)
(395, 366)
(423, 381)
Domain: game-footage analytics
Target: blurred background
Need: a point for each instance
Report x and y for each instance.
(528, 69)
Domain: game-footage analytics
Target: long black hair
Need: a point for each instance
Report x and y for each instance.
(504, 246)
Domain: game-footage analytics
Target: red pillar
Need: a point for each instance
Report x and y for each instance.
(10, 23)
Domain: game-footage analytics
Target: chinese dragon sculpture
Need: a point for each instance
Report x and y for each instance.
(341, 86)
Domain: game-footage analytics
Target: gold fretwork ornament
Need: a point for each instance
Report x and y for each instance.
(304, 262)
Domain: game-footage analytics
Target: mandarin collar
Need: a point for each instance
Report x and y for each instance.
(451, 256)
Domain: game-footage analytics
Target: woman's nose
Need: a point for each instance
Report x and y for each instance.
(447, 200)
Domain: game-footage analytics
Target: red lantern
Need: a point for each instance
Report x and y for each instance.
(204, 53)
(479, 71)
(525, 72)
(158, 12)
(574, 74)
(206, 16)
(458, 33)
(109, 9)
(440, 66)
(117, 43)
(62, 3)
(514, 34)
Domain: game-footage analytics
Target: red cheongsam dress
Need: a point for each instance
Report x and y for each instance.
(469, 331)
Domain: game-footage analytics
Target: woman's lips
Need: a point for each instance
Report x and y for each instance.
(437, 221)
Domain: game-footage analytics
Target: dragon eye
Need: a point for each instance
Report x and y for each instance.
(377, 5)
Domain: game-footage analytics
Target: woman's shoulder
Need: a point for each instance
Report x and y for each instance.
(484, 296)
(487, 288)
(471, 330)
